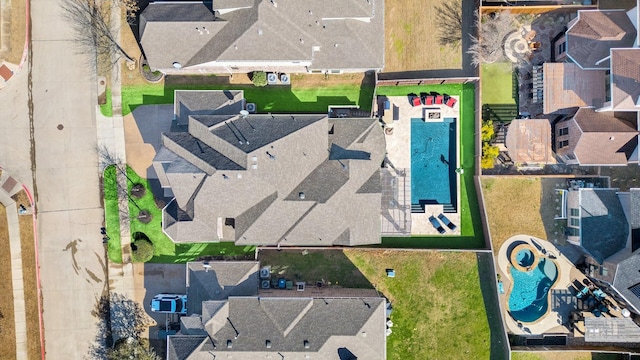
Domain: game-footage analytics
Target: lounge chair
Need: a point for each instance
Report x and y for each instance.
(423, 98)
(414, 99)
(447, 222)
(429, 100)
(439, 99)
(436, 224)
(451, 102)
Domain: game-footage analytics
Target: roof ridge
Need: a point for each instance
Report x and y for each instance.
(298, 318)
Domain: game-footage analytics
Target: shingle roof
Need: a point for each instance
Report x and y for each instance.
(332, 34)
(207, 102)
(595, 33)
(566, 86)
(295, 179)
(627, 277)
(292, 326)
(221, 280)
(597, 138)
(625, 79)
(603, 224)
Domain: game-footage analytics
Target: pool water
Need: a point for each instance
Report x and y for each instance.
(525, 257)
(530, 291)
(433, 162)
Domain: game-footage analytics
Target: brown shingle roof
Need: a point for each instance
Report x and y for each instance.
(595, 33)
(597, 138)
(625, 79)
(566, 86)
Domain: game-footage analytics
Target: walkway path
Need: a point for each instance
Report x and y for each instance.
(111, 137)
(8, 187)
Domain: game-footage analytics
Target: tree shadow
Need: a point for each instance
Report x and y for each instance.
(329, 267)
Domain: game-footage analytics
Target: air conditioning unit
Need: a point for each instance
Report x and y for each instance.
(251, 107)
(284, 79)
(272, 78)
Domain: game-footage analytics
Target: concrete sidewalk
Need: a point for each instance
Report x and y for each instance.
(8, 187)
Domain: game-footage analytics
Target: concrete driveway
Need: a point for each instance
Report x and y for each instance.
(152, 279)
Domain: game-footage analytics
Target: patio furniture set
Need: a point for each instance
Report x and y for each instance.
(436, 224)
(431, 99)
(590, 298)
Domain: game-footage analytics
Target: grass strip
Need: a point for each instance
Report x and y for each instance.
(112, 213)
(7, 320)
(29, 277)
(277, 99)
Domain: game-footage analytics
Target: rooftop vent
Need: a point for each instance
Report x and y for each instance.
(229, 344)
(301, 195)
(268, 344)
(177, 65)
(306, 344)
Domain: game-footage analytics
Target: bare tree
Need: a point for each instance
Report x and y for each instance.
(493, 29)
(94, 35)
(132, 8)
(449, 21)
(121, 323)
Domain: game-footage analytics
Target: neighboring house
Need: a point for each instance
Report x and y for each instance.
(598, 49)
(566, 87)
(273, 35)
(528, 142)
(253, 327)
(617, 263)
(293, 179)
(597, 138)
(217, 280)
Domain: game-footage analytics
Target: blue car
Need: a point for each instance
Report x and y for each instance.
(169, 303)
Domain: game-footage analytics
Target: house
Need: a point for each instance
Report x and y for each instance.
(618, 272)
(267, 179)
(597, 138)
(251, 327)
(597, 45)
(528, 142)
(332, 36)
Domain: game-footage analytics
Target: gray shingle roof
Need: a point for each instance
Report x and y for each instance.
(207, 102)
(634, 205)
(221, 280)
(595, 33)
(180, 347)
(297, 326)
(603, 224)
(196, 149)
(626, 277)
(331, 34)
(252, 192)
(257, 131)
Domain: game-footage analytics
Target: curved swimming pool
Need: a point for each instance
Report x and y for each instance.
(529, 299)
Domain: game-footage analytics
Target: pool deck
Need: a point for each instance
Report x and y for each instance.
(399, 155)
(562, 302)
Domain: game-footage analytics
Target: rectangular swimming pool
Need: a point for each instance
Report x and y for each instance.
(433, 162)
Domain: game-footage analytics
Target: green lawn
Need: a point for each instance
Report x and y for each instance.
(277, 99)
(165, 250)
(112, 219)
(497, 83)
(106, 108)
(438, 309)
(470, 224)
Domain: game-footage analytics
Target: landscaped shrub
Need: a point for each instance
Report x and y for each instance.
(259, 78)
(487, 130)
(141, 248)
(138, 191)
(489, 155)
